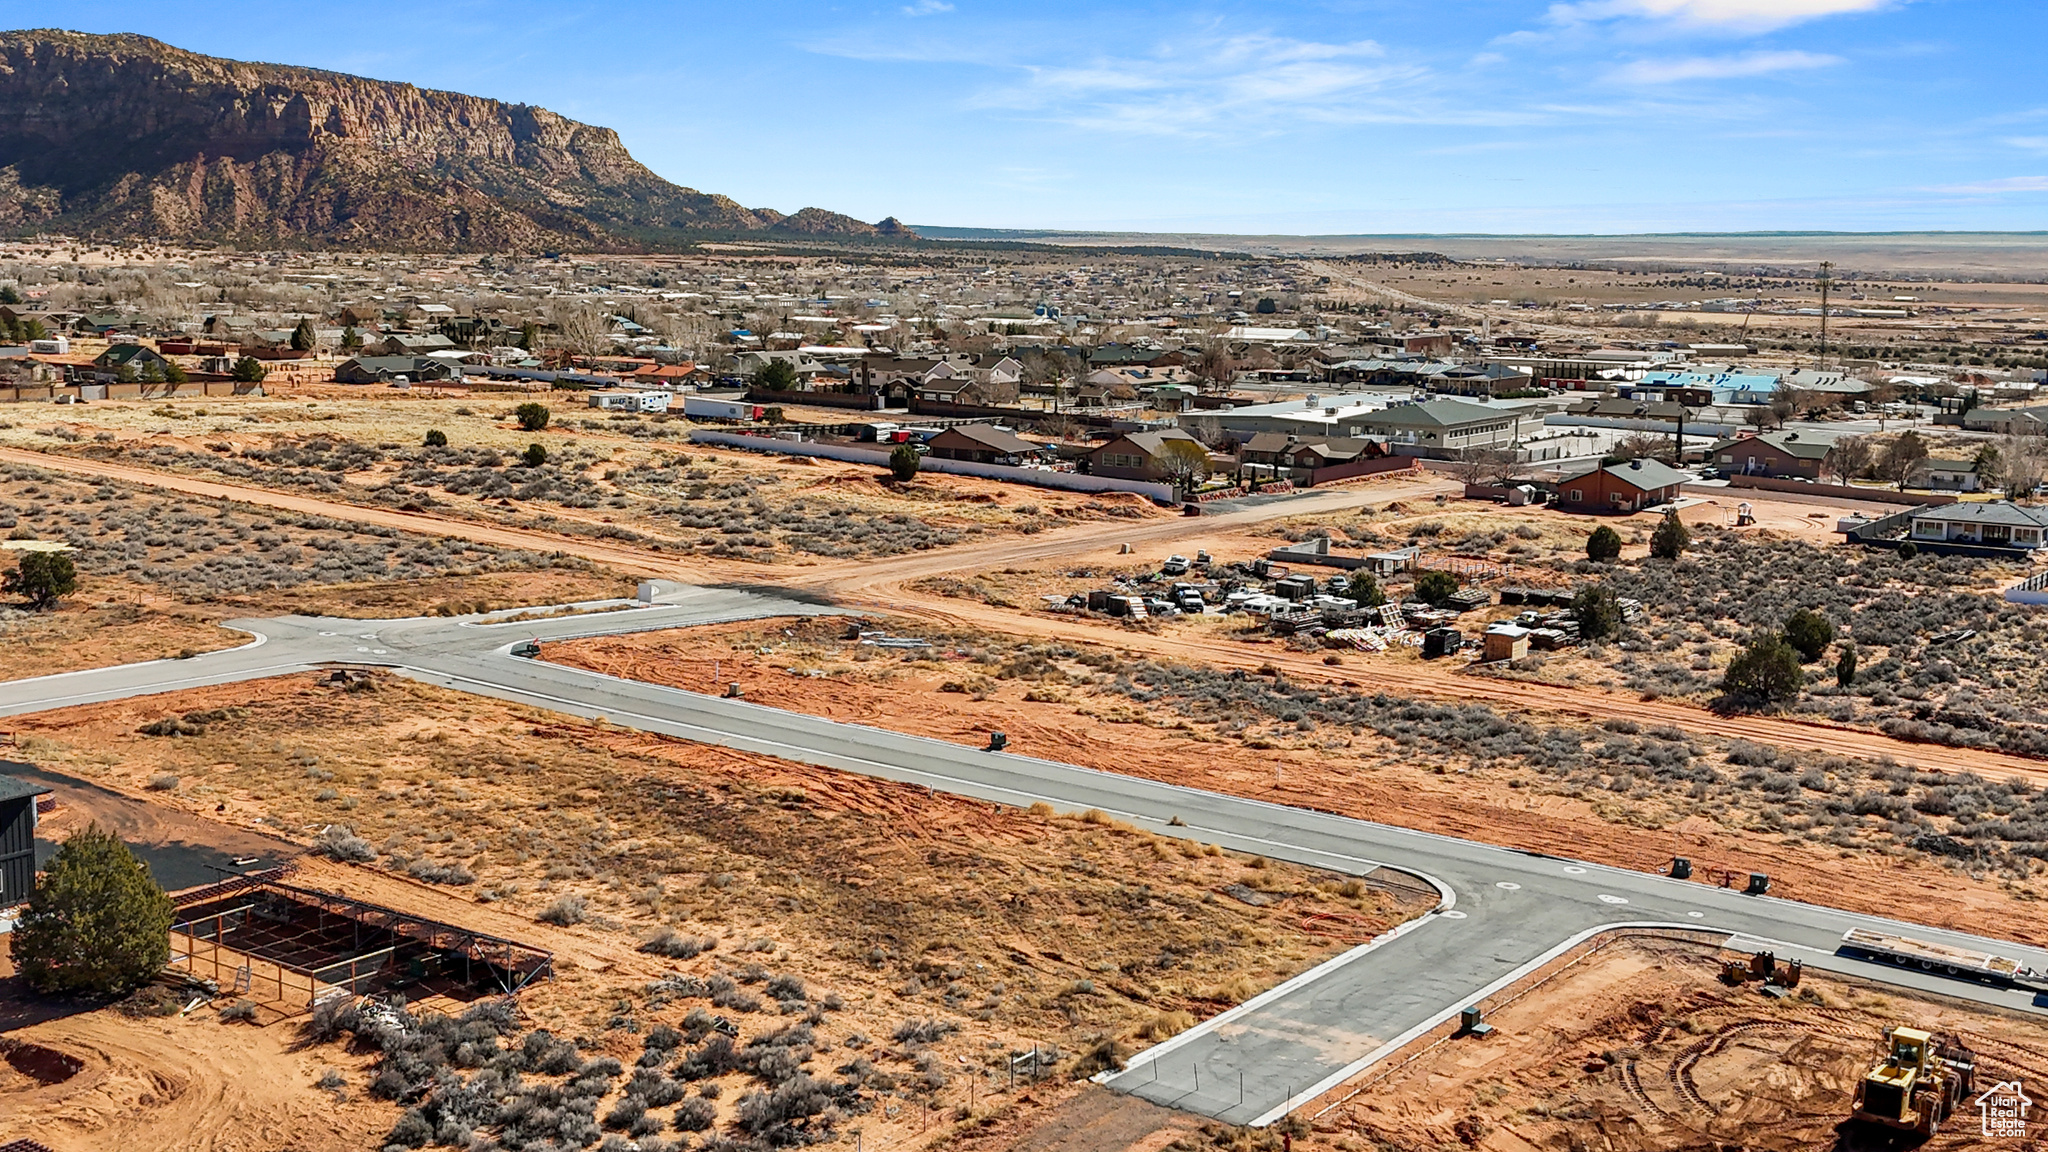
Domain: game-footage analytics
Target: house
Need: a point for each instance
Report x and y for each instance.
(615, 401)
(1138, 455)
(389, 369)
(1941, 475)
(2016, 421)
(1625, 488)
(402, 344)
(1772, 454)
(135, 357)
(1298, 454)
(1993, 524)
(981, 444)
(18, 839)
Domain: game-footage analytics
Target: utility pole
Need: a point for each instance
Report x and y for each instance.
(1827, 280)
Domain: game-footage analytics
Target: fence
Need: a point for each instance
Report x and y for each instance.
(199, 948)
(1840, 491)
(2032, 590)
(879, 458)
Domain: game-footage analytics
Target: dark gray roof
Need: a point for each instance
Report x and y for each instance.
(1987, 512)
(13, 789)
(1645, 474)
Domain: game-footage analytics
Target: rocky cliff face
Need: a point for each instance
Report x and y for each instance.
(130, 136)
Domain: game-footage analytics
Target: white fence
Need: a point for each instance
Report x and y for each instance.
(879, 458)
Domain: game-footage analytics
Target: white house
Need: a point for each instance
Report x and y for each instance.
(1994, 523)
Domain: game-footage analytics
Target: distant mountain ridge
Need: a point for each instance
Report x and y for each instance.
(125, 135)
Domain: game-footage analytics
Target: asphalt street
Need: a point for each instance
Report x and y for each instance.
(1501, 912)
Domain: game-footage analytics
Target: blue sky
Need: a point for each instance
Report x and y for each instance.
(1274, 116)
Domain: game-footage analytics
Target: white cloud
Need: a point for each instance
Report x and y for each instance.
(1252, 84)
(2030, 143)
(1736, 15)
(927, 8)
(2005, 184)
(1683, 69)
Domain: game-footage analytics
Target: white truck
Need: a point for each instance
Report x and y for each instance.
(1910, 953)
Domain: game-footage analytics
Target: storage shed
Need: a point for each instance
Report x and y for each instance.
(1504, 642)
(18, 838)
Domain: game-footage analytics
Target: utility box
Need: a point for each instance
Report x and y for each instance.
(1472, 1022)
(1681, 868)
(1759, 884)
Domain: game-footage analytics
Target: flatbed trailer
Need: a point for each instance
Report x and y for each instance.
(1909, 953)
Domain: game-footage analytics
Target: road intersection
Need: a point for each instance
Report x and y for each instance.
(1500, 914)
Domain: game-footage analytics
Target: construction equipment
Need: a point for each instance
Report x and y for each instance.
(1921, 1082)
(1763, 968)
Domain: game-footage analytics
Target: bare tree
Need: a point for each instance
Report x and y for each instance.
(1895, 465)
(1185, 463)
(2021, 462)
(1850, 458)
(1642, 446)
(1216, 367)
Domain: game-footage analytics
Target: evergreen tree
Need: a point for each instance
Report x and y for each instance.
(1603, 545)
(1436, 588)
(1670, 539)
(174, 373)
(1365, 590)
(532, 417)
(1766, 673)
(1809, 633)
(1845, 668)
(97, 923)
(41, 578)
(535, 455)
(774, 376)
(303, 337)
(1598, 611)
(903, 461)
(248, 370)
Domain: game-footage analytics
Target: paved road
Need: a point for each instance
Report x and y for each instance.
(1501, 913)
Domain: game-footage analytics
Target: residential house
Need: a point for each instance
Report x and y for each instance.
(1625, 488)
(137, 358)
(982, 444)
(1138, 455)
(2032, 421)
(406, 344)
(1942, 475)
(1285, 453)
(1993, 524)
(1783, 454)
(388, 369)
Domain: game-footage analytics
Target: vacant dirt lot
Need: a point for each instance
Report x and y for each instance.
(880, 905)
(1641, 1047)
(1631, 794)
(159, 571)
(631, 479)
